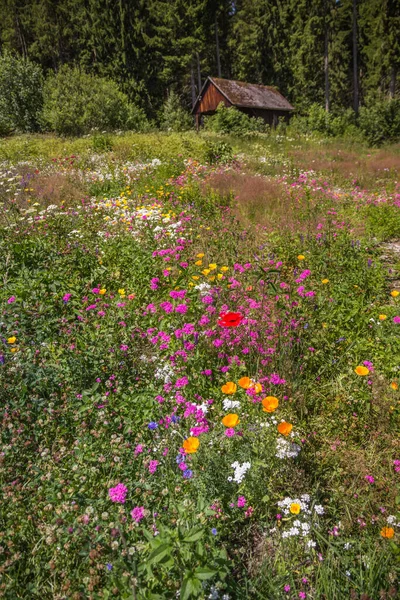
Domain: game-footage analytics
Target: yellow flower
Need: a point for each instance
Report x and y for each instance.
(102, 291)
(12, 339)
(191, 445)
(387, 532)
(361, 370)
(14, 349)
(382, 317)
(121, 292)
(394, 293)
(301, 257)
(231, 420)
(198, 263)
(224, 269)
(270, 403)
(195, 277)
(219, 276)
(295, 508)
(394, 385)
(257, 387)
(212, 266)
(324, 281)
(199, 255)
(229, 388)
(206, 271)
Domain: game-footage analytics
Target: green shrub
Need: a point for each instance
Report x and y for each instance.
(232, 120)
(102, 143)
(21, 95)
(173, 116)
(380, 120)
(218, 152)
(330, 124)
(76, 102)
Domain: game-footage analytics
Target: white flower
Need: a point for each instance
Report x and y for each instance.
(311, 544)
(240, 471)
(319, 509)
(228, 404)
(286, 449)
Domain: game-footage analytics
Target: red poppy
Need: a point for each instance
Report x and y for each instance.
(230, 319)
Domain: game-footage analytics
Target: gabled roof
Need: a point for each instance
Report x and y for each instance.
(248, 95)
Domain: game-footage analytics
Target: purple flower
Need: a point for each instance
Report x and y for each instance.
(66, 298)
(153, 466)
(118, 493)
(287, 588)
(95, 290)
(137, 513)
(12, 299)
(181, 308)
(214, 531)
(369, 478)
(396, 320)
(241, 501)
(188, 474)
(230, 432)
(109, 566)
(152, 425)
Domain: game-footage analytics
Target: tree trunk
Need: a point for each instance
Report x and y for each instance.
(355, 51)
(326, 59)
(198, 72)
(192, 85)
(393, 78)
(217, 47)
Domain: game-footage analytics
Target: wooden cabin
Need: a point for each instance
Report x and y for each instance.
(253, 99)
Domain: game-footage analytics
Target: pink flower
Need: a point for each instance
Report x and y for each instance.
(95, 290)
(138, 449)
(369, 478)
(396, 320)
(12, 299)
(153, 466)
(118, 493)
(137, 513)
(241, 501)
(230, 432)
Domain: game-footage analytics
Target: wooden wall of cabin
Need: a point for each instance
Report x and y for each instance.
(210, 100)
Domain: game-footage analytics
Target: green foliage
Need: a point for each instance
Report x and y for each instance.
(329, 124)
(21, 95)
(75, 103)
(380, 120)
(218, 152)
(231, 120)
(173, 116)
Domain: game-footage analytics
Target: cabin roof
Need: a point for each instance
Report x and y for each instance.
(248, 95)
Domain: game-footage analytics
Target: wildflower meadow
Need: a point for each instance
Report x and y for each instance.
(200, 368)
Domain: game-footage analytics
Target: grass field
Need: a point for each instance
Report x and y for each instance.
(200, 368)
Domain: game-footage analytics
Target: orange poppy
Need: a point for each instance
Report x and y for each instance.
(245, 382)
(191, 445)
(394, 385)
(229, 388)
(270, 403)
(231, 420)
(360, 370)
(285, 428)
(387, 532)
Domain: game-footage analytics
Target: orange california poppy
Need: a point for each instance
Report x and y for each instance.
(245, 382)
(285, 428)
(394, 385)
(231, 420)
(360, 370)
(229, 388)
(270, 403)
(387, 532)
(191, 445)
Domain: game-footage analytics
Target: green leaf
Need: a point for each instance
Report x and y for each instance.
(159, 553)
(194, 535)
(191, 586)
(204, 573)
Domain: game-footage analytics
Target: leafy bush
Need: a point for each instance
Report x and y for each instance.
(231, 120)
(21, 95)
(218, 152)
(173, 116)
(380, 120)
(76, 102)
(330, 124)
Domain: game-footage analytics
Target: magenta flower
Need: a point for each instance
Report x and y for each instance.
(153, 466)
(241, 501)
(396, 320)
(118, 493)
(369, 478)
(137, 513)
(95, 290)
(12, 299)
(230, 432)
